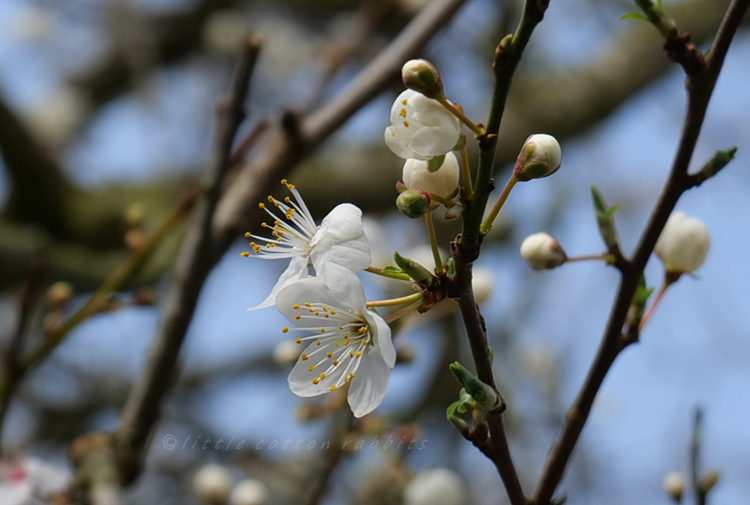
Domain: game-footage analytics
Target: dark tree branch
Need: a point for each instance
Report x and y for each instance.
(700, 87)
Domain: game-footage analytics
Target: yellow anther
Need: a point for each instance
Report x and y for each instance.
(346, 337)
(402, 113)
(358, 354)
(347, 379)
(341, 328)
(318, 342)
(406, 123)
(333, 388)
(291, 186)
(362, 329)
(351, 374)
(311, 368)
(325, 307)
(326, 315)
(284, 182)
(315, 381)
(333, 312)
(247, 234)
(256, 248)
(329, 355)
(307, 304)
(317, 312)
(322, 375)
(264, 225)
(287, 199)
(304, 357)
(311, 311)
(322, 330)
(335, 362)
(271, 199)
(277, 203)
(351, 354)
(296, 307)
(262, 205)
(346, 343)
(244, 254)
(298, 340)
(298, 317)
(285, 329)
(404, 102)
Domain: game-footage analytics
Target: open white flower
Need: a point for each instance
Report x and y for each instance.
(442, 182)
(683, 244)
(349, 344)
(339, 239)
(421, 128)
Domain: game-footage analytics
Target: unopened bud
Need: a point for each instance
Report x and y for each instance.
(674, 485)
(412, 268)
(413, 203)
(540, 157)
(59, 294)
(212, 484)
(437, 486)
(462, 426)
(542, 251)
(707, 481)
(441, 180)
(422, 77)
(249, 492)
(482, 393)
(683, 243)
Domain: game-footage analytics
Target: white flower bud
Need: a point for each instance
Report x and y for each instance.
(442, 182)
(422, 77)
(286, 353)
(413, 203)
(249, 492)
(421, 128)
(540, 157)
(212, 484)
(674, 485)
(683, 244)
(542, 251)
(483, 283)
(438, 486)
(708, 480)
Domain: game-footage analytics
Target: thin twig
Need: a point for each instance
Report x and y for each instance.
(11, 365)
(700, 86)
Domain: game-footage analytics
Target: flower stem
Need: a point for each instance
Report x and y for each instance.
(652, 308)
(403, 312)
(466, 172)
(478, 130)
(395, 301)
(390, 275)
(609, 258)
(433, 243)
(487, 223)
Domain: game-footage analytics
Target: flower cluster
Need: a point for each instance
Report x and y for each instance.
(348, 343)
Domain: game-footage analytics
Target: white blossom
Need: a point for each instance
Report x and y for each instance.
(348, 344)
(542, 251)
(442, 182)
(27, 480)
(683, 244)
(421, 128)
(540, 157)
(339, 239)
(438, 486)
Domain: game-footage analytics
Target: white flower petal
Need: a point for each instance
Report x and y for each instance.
(368, 388)
(296, 270)
(341, 240)
(433, 141)
(345, 287)
(398, 105)
(301, 377)
(310, 289)
(382, 337)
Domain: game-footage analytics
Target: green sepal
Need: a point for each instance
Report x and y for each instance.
(435, 163)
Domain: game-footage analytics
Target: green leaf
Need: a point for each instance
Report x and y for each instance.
(435, 163)
(392, 270)
(635, 16)
(605, 220)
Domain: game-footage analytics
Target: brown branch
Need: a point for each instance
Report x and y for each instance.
(286, 146)
(700, 87)
(198, 256)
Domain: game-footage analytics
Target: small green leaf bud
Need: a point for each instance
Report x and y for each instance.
(412, 268)
(707, 481)
(483, 394)
(540, 157)
(413, 203)
(422, 76)
(674, 485)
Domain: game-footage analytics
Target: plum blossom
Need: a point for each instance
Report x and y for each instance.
(683, 244)
(542, 251)
(421, 128)
(349, 344)
(442, 182)
(339, 239)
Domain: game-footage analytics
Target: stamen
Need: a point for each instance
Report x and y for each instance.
(285, 329)
(247, 234)
(304, 357)
(315, 381)
(329, 355)
(298, 340)
(244, 254)
(333, 388)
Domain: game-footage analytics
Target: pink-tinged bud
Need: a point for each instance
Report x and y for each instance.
(540, 157)
(683, 244)
(542, 251)
(422, 77)
(413, 203)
